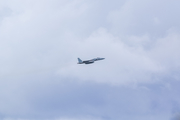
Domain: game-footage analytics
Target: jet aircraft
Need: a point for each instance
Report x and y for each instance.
(89, 61)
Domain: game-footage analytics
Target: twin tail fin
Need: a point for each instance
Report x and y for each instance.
(80, 61)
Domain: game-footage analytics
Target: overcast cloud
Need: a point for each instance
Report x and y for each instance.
(40, 41)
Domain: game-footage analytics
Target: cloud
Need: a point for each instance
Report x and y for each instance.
(41, 40)
(176, 117)
(141, 17)
(69, 99)
(55, 46)
(126, 63)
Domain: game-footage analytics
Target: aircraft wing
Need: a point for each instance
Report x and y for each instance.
(88, 61)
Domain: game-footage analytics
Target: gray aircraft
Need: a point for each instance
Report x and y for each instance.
(89, 61)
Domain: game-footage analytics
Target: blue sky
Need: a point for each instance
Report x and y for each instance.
(41, 40)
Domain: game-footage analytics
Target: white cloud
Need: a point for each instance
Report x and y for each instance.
(126, 62)
(41, 40)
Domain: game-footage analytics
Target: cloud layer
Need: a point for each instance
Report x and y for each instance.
(41, 40)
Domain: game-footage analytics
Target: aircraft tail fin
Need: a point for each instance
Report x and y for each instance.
(80, 61)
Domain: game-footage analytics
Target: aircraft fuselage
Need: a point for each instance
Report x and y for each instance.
(89, 61)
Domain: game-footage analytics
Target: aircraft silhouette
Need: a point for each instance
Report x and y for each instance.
(89, 61)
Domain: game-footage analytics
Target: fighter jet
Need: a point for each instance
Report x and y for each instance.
(89, 61)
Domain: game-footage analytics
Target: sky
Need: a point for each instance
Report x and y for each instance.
(40, 41)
